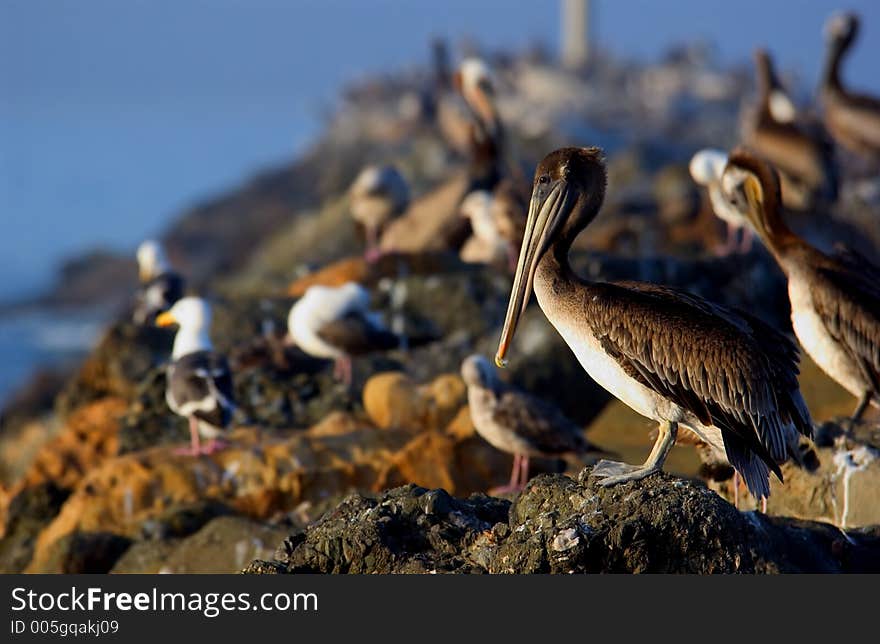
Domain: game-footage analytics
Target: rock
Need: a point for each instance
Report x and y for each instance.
(224, 545)
(29, 511)
(89, 437)
(562, 525)
(144, 557)
(124, 356)
(840, 488)
(183, 520)
(392, 265)
(80, 552)
(392, 399)
(409, 529)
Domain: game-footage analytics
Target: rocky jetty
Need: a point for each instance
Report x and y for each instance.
(564, 525)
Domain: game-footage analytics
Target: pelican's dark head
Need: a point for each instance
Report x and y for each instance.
(567, 192)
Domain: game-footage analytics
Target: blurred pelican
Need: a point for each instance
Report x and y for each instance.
(378, 195)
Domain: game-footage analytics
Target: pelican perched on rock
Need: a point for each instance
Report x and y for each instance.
(431, 223)
(199, 381)
(667, 354)
(853, 119)
(516, 422)
(378, 195)
(336, 324)
(160, 286)
(803, 154)
(706, 168)
(835, 299)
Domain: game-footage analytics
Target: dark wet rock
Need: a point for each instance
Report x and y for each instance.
(82, 552)
(144, 557)
(33, 399)
(837, 483)
(123, 358)
(562, 525)
(183, 520)
(32, 509)
(224, 545)
(405, 530)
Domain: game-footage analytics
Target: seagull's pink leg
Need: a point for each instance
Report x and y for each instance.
(195, 440)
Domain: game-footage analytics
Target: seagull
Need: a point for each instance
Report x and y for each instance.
(667, 354)
(378, 195)
(706, 167)
(199, 381)
(515, 422)
(336, 323)
(160, 286)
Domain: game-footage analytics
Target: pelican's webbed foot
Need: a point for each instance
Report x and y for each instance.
(612, 473)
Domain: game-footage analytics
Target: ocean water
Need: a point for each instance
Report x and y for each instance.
(116, 116)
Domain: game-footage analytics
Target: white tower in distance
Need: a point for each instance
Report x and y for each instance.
(575, 27)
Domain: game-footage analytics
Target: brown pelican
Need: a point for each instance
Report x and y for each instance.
(835, 299)
(160, 286)
(199, 382)
(336, 323)
(378, 195)
(706, 168)
(516, 422)
(431, 222)
(803, 155)
(852, 119)
(669, 355)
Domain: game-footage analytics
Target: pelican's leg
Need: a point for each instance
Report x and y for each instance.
(729, 244)
(736, 489)
(195, 446)
(864, 401)
(611, 473)
(849, 425)
(745, 244)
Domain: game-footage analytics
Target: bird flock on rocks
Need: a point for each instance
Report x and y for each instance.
(724, 376)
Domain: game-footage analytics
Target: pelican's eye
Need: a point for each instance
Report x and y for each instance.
(544, 179)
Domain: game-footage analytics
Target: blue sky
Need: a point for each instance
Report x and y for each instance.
(116, 115)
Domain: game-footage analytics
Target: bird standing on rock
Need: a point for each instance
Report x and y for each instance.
(835, 299)
(160, 287)
(336, 324)
(801, 152)
(706, 168)
(667, 354)
(199, 381)
(516, 422)
(853, 119)
(378, 195)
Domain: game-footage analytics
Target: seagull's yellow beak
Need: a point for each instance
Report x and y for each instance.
(165, 319)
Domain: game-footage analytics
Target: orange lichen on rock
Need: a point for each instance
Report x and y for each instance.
(393, 400)
(89, 437)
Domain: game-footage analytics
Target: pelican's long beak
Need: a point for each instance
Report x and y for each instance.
(544, 217)
(165, 319)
